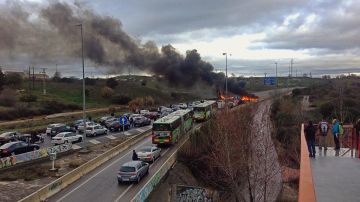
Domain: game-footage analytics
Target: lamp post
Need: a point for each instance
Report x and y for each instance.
(277, 82)
(226, 88)
(83, 77)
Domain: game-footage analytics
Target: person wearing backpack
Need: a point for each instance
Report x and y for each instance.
(336, 132)
(323, 127)
(310, 131)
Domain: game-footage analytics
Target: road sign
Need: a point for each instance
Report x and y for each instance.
(270, 81)
(123, 120)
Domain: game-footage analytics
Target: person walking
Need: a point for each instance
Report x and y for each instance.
(336, 132)
(357, 133)
(324, 128)
(135, 156)
(310, 131)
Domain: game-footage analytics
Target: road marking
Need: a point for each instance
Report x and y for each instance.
(75, 146)
(102, 170)
(111, 137)
(127, 133)
(140, 130)
(127, 189)
(94, 141)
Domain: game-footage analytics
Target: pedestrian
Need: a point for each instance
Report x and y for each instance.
(135, 156)
(323, 127)
(336, 131)
(357, 133)
(310, 131)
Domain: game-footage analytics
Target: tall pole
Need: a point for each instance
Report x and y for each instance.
(33, 77)
(44, 88)
(226, 77)
(83, 77)
(277, 81)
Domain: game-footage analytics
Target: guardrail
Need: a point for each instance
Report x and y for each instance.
(32, 157)
(59, 184)
(306, 184)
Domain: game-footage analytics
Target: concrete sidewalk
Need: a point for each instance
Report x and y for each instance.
(336, 178)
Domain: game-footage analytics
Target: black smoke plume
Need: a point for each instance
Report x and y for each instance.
(50, 34)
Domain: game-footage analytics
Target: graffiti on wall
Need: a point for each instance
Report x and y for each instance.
(192, 194)
(43, 152)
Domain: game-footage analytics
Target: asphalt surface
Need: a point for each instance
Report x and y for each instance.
(101, 138)
(101, 184)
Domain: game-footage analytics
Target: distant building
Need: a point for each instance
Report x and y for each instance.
(39, 76)
(22, 74)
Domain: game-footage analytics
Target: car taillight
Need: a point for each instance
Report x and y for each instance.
(5, 150)
(149, 155)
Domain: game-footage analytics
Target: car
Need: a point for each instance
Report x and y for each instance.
(148, 153)
(144, 111)
(17, 147)
(8, 137)
(182, 105)
(103, 119)
(59, 129)
(152, 115)
(51, 126)
(110, 121)
(78, 122)
(116, 126)
(141, 121)
(132, 171)
(66, 137)
(96, 130)
(82, 127)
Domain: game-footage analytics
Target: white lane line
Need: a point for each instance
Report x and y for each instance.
(126, 190)
(94, 141)
(140, 130)
(75, 146)
(127, 133)
(111, 137)
(82, 184)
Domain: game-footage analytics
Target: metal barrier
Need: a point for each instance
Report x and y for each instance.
(306, 185)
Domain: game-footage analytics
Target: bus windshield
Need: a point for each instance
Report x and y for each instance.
(161, 127)
(199, 109)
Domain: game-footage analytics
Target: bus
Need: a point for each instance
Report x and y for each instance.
(169, 129)
(204, 111)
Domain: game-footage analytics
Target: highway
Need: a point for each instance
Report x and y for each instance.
(101, 184)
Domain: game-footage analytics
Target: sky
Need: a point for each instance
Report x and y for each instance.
(321, 36)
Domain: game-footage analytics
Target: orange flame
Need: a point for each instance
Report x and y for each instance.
(249, 99)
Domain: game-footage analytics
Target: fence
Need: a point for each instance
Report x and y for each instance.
(13, 160)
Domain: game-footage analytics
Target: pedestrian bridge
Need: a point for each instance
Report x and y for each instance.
(333, 175)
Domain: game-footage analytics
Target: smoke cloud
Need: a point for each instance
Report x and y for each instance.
(50, 34)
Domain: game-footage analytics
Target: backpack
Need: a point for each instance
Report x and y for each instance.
(341, 129)
(324, 128)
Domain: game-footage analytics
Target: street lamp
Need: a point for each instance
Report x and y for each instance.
(226, 88)
(277, 82)
(83, 71)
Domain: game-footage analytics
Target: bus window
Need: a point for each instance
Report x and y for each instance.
(161, 127)
(199, 109)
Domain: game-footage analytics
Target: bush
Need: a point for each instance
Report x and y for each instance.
(28, 98)
(107, 92)
(136, 104)
(111, 83)
(90, 82)
(327, 109)
(13, 79)
(296, 92)
(52, 106)
(7, 97)
(121, 99)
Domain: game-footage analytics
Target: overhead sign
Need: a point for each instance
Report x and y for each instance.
(123, 120)
(269, 81)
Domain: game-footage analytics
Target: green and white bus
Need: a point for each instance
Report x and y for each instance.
(203, 111)
(169, 129)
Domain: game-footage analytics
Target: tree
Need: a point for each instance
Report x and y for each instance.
(107, 92)
(2, 79)
(136, 104)
(111, 83)
(7, 97)
(13, 79)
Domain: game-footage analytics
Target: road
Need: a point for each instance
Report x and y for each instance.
(101, 184)
(102, 138)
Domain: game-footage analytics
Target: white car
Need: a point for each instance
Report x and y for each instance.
(96, 130)
(66, 137)
(149, 153)
(144, 111)
(182, 105)
(81, 127)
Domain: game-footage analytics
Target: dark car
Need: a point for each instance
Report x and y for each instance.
(8, 137)
(110, 121)
(116, 126)
(132, 171)
(59, 129)
(17, 147)
(103, 119)
(141, 121)
(78, 122)
(153, 115)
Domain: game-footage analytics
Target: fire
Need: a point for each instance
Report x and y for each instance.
(249, 99)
